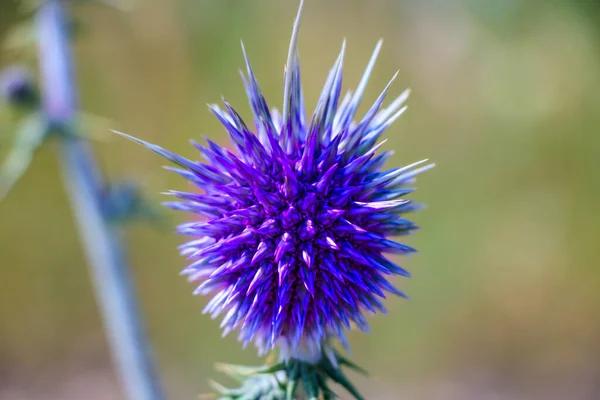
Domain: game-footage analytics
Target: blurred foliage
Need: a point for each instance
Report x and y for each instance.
(506, 290)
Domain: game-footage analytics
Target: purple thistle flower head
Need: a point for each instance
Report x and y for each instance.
(298, 221)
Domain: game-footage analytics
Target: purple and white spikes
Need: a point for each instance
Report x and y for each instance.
(291, 102)
(258, 104)
(354, 101)
(292, 230)
(354, 136)
(328, 101)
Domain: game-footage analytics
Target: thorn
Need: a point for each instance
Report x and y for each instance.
(290, 63)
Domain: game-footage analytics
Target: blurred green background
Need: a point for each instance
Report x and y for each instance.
(505, 294)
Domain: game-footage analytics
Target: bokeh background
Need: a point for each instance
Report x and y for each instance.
(505, 294)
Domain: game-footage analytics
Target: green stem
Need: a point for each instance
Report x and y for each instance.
(112, 281)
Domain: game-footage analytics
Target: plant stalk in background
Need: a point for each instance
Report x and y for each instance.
(84, 181)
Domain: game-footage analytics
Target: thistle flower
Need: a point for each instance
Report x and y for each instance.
(298, 222)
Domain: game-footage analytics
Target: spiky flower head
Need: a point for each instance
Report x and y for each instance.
(298, 221)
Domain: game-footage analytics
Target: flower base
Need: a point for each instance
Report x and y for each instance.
(282, 380)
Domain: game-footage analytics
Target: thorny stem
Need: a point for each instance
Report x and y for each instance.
(112, 281)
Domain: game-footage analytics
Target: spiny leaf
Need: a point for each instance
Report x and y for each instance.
(344, 361)
(309, 381)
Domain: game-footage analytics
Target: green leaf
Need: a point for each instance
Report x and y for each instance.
(309, 381)
(28, 140)
(239, 372)
(340, 378)
(328, 394)
(344, 361)
(269, 369)
(292, 384)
